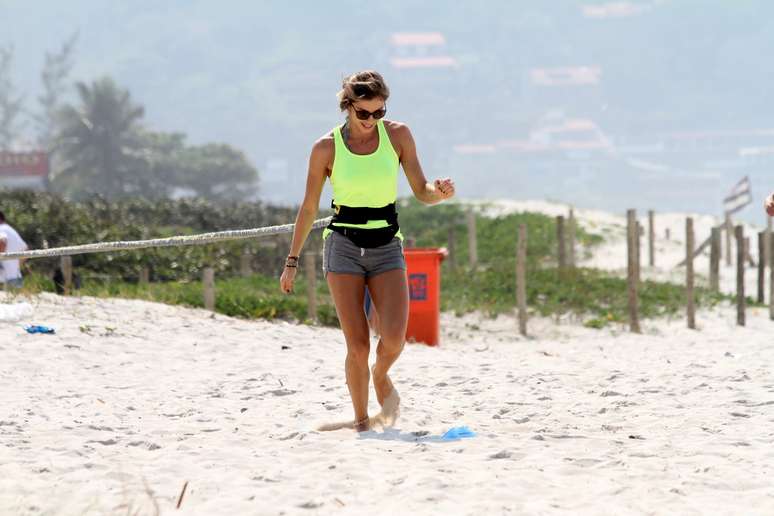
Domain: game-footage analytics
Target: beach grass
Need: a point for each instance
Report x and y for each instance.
(592, 296)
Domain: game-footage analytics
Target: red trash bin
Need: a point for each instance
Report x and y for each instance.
(424, 278)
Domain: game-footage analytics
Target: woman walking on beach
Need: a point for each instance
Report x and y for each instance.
(363, 245)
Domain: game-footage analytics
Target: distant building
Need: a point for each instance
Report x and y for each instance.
(420, 50)
(555, 135)
(574, 76)
(24, 170)
(614, 10)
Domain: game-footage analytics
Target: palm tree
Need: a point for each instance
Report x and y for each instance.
(97, 139)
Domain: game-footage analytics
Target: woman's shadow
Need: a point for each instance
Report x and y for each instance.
(396, 434)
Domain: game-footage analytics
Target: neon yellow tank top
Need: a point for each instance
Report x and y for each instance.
(365, 180)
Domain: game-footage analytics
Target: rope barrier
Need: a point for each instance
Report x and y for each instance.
(204, 238)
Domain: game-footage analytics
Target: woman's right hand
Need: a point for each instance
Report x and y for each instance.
(287, 279)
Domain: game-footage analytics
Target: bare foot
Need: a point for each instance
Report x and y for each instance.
(363, 425)
(390, 410)
(382, 385)
(388, 398)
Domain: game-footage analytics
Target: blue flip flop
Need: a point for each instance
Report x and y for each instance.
(458, 432)
(33, 328)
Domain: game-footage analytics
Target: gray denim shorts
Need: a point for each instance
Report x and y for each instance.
(341, 256)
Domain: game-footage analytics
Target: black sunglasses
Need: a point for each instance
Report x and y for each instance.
(362, 114)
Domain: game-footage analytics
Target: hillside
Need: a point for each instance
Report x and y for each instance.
(262, 76)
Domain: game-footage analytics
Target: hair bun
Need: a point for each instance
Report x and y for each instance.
(363, 85)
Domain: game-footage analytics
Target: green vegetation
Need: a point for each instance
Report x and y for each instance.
(101, 146)
(109, 153)
(47, 220)
(496, 237)
(255, 297)
(590, 295)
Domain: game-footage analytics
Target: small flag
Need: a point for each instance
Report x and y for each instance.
(739, 197)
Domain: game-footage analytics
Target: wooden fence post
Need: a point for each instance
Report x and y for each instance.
(761, 266)
(714, 273)
(66, 263)
(144, 276)
(561, 243)
(631, 251)
(571, 239)
(689, 249)
(311, 286)
(767, 242)
(472, 242)
(640, 232)
(747, 255)
(729, 230)
(451, 246)
(245, 263)
(651, 239)
(521, 278)
(208, 282)
(740, 263)
(771, 279)
(638, 255)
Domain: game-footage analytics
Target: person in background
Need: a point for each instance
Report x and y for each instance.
(10, 242)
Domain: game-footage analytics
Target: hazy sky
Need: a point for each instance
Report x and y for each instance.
(262, 76)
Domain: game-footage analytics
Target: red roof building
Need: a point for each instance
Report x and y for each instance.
(24, 169)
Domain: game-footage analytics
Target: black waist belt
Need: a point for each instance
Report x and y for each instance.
(365, 237)
(360, 215)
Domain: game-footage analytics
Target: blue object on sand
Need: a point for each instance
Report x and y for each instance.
(458, 432)
(33, 328)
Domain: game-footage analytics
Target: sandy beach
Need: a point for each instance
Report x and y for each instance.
(130, 400)
(196, 154)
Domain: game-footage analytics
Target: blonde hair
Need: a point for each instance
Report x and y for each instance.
(364, 85)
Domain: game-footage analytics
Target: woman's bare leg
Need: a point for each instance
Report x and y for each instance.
(389, 292)
(348, 292)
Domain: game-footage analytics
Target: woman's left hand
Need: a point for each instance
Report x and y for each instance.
(445, 188)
